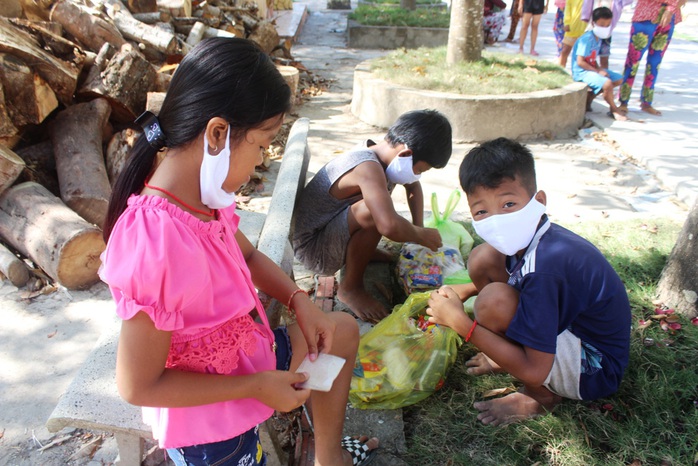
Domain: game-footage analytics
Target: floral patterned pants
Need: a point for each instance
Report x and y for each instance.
(559, 29)
(645, 35)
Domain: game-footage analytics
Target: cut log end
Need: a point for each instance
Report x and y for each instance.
(80, 260)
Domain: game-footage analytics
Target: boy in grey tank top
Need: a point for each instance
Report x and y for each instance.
(346, 208)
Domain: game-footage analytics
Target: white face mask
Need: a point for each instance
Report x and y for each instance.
(214, 171)
(510, 233)
(602, 32)
(400, 171)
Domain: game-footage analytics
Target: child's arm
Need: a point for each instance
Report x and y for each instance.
(143, 380)
(370, 179)
(415, 200)
(589, 67)
(268, 277)
(526, 364)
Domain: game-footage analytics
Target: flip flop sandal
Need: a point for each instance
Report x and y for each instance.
(360, 454)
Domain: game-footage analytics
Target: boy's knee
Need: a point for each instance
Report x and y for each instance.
(495, 306)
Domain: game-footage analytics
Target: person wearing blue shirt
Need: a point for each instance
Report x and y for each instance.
(550, 310)
(586, 69)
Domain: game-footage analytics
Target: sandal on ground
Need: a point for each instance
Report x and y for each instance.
(360, 454)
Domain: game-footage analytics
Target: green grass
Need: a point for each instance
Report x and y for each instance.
(386, 15)
(494, 74)
(652, 419)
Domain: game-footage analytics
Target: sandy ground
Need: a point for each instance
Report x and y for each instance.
(44, 339)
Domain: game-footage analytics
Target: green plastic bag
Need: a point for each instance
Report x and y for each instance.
(455, 237)
(453, 234)
(403, 359)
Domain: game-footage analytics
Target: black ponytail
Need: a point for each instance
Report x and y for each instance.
(220, 77)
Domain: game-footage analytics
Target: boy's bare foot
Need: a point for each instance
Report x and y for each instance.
(362, 304)
(623, 108)
(513, 408)
(481, 364)
(650, 109)
(617, 115)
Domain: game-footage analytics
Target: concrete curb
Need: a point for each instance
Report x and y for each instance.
(553, 113)
(393, 37)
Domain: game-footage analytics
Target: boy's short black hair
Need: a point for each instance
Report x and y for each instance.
(602, 12)
(488, 164)
(427, 133)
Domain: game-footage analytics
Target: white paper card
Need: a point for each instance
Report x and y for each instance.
(321, 372)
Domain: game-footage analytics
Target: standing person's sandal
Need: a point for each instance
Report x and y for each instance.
(360, 454)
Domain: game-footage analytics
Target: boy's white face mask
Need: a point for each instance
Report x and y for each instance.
(510, 233)
(214, 171)
(602, 32)
(400, 171)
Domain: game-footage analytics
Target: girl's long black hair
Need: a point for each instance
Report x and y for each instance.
(220, 77)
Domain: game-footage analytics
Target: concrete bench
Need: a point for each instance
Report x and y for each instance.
(92, 401)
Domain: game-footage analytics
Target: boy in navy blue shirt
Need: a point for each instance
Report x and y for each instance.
(550, 309)
(586, 69)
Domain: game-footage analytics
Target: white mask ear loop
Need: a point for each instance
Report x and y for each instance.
(213, 173)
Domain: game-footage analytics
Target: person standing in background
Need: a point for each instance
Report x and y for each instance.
(574, 27)
(559, 25)
(515, 17)
(531, 12)
(652, 28)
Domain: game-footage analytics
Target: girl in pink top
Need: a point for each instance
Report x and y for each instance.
(184, 277)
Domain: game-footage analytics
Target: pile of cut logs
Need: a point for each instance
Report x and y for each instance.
(74, 74)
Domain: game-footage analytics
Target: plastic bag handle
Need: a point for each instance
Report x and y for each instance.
(435, 208)
(453, 200)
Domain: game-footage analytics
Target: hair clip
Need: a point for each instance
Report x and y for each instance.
(151, 128)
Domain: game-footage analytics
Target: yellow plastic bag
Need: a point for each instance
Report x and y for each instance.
(403, 359)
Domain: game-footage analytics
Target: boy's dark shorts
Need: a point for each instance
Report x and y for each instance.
(535, 7)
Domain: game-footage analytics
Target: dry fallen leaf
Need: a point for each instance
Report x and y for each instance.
(498, 391)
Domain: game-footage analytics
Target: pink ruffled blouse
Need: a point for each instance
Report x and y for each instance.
(191, 279)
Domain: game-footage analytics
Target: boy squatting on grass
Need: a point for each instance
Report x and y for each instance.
(550, 309)
(346, 208)
(586, 69)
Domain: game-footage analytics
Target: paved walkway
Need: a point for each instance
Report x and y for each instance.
(666, 145)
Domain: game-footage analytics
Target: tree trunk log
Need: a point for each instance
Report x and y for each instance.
(88, 28)
(125, 82)
(678, 284)
(76, 135)
(40, 226)
(118, 152)
(11, 165)
(40, 166)
(465, 31)
(61, 76)
(13, 268)
(142, 6)
(133, 29)
(28, 98)
(9, 134)
(266, 35)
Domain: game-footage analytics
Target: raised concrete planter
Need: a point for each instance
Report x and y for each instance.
(393, 37)
(397, 5)
(475, 118)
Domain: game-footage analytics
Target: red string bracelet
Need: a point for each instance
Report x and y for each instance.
(470, 332)
(290, 300)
